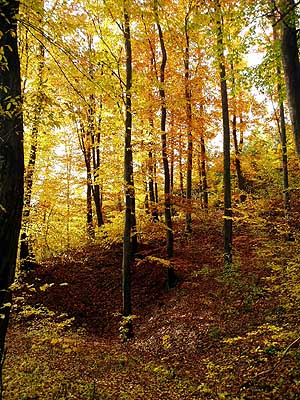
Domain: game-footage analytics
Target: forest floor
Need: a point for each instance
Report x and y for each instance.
(218, 334)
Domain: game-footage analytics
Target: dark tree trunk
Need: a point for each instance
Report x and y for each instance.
(181, 185)
(226, 142)
(129, 223)
(237, 160)
(172, 155)
(291, 65)
(27, 257)
(171, 281)
(284, 159)
(152, 187)
(89, 191)
(89, 206)
(237, 146)
(11, 162)
(85, 144)
(188, 100)
(97, 195)
(203, 175)
(282, 131)
(151, 181)
(97, 189)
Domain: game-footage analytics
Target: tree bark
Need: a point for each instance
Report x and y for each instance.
(171, 279)
(27, 257)
(282, 131)
(237, 160)
(291, 65)
(226, 142)
(129, 228)
(152, 187)
(11, 161)
(203, 174)
(237, 146)
(96, 188)
(85, 145)
(188, 100)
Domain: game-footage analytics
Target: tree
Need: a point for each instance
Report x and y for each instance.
(238, 144)
(129, 184)
(226, 140)
(282, 130)
(188, 98)
(171, 281)
(27, 257)
(291, 64)
(11, 160)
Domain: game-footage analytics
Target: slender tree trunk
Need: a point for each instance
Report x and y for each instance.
(284, 158)
(203, 175)
(151, 181)
(152, 187)
(237, 160)
(93, 137)
(180, 151)
(89, 205)
(188, 100)
(129, 188)
(27, 257)
(226, 142)
(152, 174)
(155, 182)
(282, 131)
(11, 162)
(146, 202)
(171, 281)
(96, 188)
(89, 173)
(172, 156)
(68, 152)
(85, 144)
(291, 65)
(237, 147)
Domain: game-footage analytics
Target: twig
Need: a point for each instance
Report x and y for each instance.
(276, 365)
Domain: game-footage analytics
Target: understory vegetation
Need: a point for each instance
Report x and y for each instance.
(219, 334)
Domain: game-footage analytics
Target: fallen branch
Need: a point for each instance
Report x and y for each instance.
(268, 371)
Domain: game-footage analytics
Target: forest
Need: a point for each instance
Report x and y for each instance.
(149, 199)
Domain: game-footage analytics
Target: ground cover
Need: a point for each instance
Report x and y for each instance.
(217, 335)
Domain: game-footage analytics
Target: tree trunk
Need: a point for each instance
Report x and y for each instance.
(27, 257)
(89, 206)
(180, 151)
(127, 328)
(152, 186)
(171, 279)
(97, 189)
(172, 155)
(11, 162)
(282, 131)
(203, 175)
(237, 147)
(85, 145)
(188, 100)
(237, 161)
(291, 65)
(226, 142)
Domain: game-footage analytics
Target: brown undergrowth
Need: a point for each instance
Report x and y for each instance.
(216, 335)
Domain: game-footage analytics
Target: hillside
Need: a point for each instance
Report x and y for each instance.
(216, 335)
